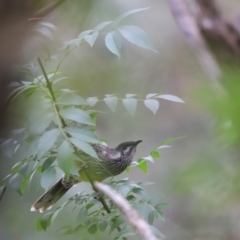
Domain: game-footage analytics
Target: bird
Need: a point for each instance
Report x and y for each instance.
(110, 162)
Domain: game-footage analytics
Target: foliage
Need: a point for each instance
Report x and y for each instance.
(66, 124)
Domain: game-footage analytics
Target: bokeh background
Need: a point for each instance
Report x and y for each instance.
(197, 177)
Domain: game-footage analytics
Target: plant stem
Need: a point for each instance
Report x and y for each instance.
(49, 86)
(63, 124)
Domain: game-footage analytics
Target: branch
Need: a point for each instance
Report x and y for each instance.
(183, 16)
(63, 123)
(131, 215)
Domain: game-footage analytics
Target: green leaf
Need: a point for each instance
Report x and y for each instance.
(40, 123)
(45, 220)
(90, 39)
(38, 225)
(92, 229)
(15, 182)
(169, 140)
(111, 102)
(82, 134)
(77, 115)
(151, 217)
(84, 33)
(127, 231)
(130, 95)
(156, 231)
(47, 140)
(170, 98)
(160, 206)
(25, 182)
(130, 104)
(117, 223)
(23, 169)
(159, 214)
(48, 177)
(143, 165)
(152, 104)
(2, 191)
(59, 79)
(155, 154)
(100, 26)
(148, 158)
(102, 226)
(48, 162)
(85, 147)
(8, 147)
(136, 36)
(16, 167)
(138, 191)
(113, 43)
(19, 134)
(92, 101)
(67, 98)
(65, 158)
(82, 216)
(150, 95)
(126, 14)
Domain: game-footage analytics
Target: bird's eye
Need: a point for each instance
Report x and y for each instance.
(126, 150)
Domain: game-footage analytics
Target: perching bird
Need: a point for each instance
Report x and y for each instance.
(111, 162)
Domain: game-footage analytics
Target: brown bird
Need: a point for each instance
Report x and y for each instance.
(110, 162)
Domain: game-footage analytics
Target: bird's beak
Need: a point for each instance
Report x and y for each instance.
(137, 142)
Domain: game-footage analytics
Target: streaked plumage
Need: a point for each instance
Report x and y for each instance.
(111, 162)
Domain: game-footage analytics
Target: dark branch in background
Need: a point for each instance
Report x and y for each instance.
(131, 215)
(214, 25)
(63, 123)
(185, 19)
(13, 22)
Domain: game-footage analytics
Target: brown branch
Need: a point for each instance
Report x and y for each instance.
(213, 24)
(183, 16)
(131, 215)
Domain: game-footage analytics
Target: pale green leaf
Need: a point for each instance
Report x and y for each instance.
(150, 95)
(92, 101)
(113, 43)
(92, 229)
(90, 39)
(2, 191)
(130, 104)
(47, 140)
(48, 162)
(102, 226)
(77, 115)
(130, 95)
(111, 102)
(126, 14)
(82, 216)
(152, 104)
(100, 26)
(48, 177)
(170, 98)
(67, 98)
(65, 158)
(84, 33)
(136, 36)
(8, 147)
(151, 217)
(83, 146)
(82, 134)
(15, 182)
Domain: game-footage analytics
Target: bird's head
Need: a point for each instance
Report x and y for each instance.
(128, 149)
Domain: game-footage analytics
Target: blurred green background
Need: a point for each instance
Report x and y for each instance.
(198, 177)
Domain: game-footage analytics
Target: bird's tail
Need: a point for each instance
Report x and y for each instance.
(51, 196)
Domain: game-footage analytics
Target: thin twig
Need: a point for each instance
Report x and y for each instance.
(101, 198)
(63, 123)
(131, 215)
